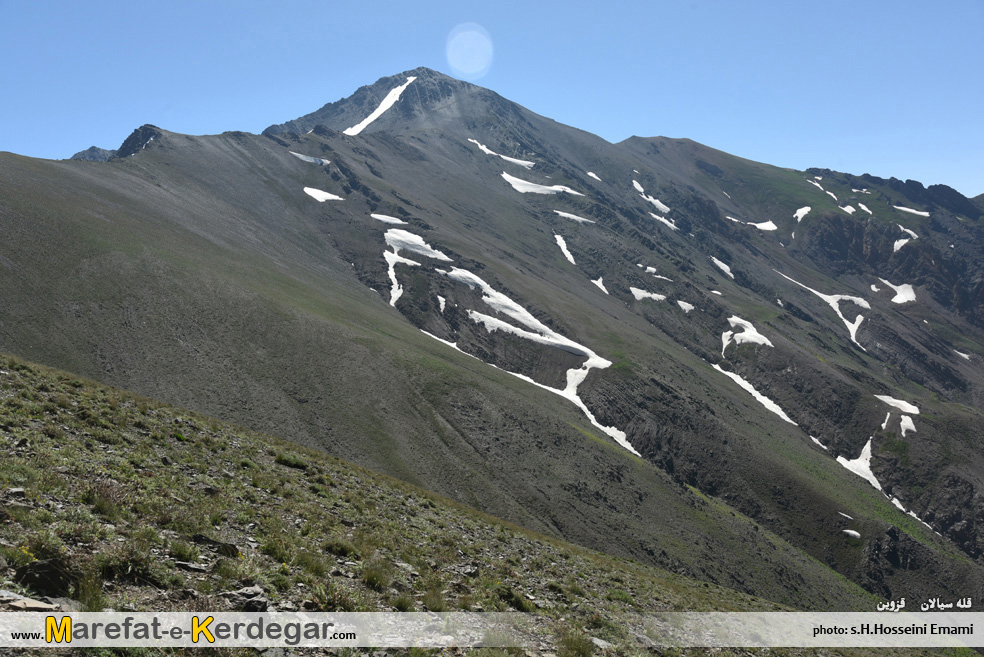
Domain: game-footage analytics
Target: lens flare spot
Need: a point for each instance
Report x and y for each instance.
(469, 51)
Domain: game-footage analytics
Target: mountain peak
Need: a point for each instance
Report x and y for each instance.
(403, 97)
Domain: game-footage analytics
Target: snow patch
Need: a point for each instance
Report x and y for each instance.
(832, 195)
(442, 302)
(321, 196)
(851, 533)
(874, 288)
(386, 219)
(723, 267)
(715, 292)
(401, 239)
(568, 215)
(726, 193)
(861, 466)
(308, 158)
(911, 233)
(642, 294)
(762, 399)
(907, 425)
(864, 207)
(600, 284)
(802, 212)
(962, 355)
(563, 247)
(748, 334)
(526, 187)
(817, 184)
(687, 307)
(848, 209)
(903, 406)
(765, 225)
(392, 260)
(639, 188)
(662, 207)
(575, 376)
(664, 220)
(594, 175)
(819, 443)
(899, 244)
(911, 211)
(903, 293)
(388, 102)
(488, 151)
(834, 301)
(845, 515)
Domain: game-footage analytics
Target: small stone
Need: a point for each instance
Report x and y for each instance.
(27, 604)
(166, 460)
(601, 643)
(17, 492)
(255, 604)
(192, 567)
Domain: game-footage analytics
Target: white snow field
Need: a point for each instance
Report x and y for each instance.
(824, 447)
(903, 293)
(442, 302)
(759, 397)
(911, 233)
(664, 220)
(861, 466)
(563, 247)
(802, 212)
(308, 158)
(864, 207)
(845, 515)
(911, 211)
(526, 187)
(834, 300)
(575, 376)
(568, 215)
(903, 406)
(386, 219)
(642, 294)
(488, 151)
(601, 285)
(594, 175)
(687, 307)
(832, 195)
(399, 239)
(907, 425)
(748, 334)
(765, 225)
(899, 244)
(388, 102)
(662, 207)
(962, 355)
(723, 267)
(321, 196)
(848, 209)
(816, 183)
(851, 533)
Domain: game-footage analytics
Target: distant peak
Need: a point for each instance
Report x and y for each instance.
(138, 140)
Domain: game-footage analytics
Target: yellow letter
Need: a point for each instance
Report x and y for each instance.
(201, 628)
(58, 632)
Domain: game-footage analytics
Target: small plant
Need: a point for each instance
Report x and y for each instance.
(575, 644)
(434, 600)
(376, 573)
(88, 591)
(291, 461)
(340, 547)
(183, 551)
(403, 602)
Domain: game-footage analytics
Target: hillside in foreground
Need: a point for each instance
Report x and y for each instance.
(115, 501)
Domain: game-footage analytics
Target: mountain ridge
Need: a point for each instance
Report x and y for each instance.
(203, 270)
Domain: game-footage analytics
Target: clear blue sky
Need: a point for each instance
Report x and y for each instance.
(892, 88)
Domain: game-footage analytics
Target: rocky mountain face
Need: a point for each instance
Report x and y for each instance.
(94, 154)
(765, 378)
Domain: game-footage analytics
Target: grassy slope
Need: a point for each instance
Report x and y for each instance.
(117, 486)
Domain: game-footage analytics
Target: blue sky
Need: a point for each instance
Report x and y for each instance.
(888, 88)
